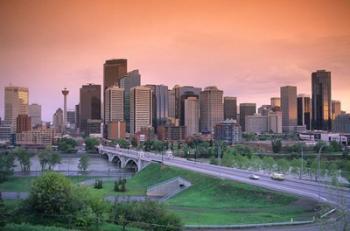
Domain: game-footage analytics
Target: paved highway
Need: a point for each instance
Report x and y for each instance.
(339, 197)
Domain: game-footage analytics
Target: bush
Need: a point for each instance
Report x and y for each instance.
(120, 185)
(146, 215)
(276, 145)
(98, 184)
(90, 145)
(67, 145)
(54, 199)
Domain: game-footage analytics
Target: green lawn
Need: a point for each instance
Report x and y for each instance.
(29, 227)
(213, 201)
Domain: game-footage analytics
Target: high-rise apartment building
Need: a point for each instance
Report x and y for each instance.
(24, 123)
(77, 116)
(304, 111)
(16, 103)
(58, 121)
(90, 105)
(289, 108)
(211, 108)
(160, 102)
(35, 114)
(140, 108)
(132, 79)
(114, 104)
(192, 115)
(321, 100)
(230, 108)
(245, 109)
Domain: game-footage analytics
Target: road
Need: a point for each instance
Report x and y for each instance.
(338, 197)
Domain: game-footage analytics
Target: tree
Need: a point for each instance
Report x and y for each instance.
(83, 163)
(282, 165)
(67, 145)
(90, 144)
(276, 145)
(3, 212)
(54, 199)
(6, 165)
(48, 158)
(23, 159)
(335, 146)
(268, 163)
(134, 142)
(54, 159)
(147, 215)
(158, 146)
(123, 143)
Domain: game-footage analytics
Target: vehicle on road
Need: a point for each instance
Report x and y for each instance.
(254, 177)
(277, 176)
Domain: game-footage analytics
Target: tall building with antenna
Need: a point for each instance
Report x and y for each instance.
(65, 92)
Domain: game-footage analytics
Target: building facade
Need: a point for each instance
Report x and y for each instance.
(90, 105)
(256, 124)
(321, 100)
(160, 102)
(304, 111)
(336, 108)
(116, 130)
(230, 108)
(182, 93)
(132, 79)
(58, 121)
(114, 104)
(16, 103)
(35, 114)
(228, 131)
(342, 123)
(245, 109)
(211, 108)
(24, 123)
(192, 115)
(289, 108)
(274, 122)
(140, 108)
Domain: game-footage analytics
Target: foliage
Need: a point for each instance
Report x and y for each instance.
(3, 212)
(243, 150)
(276, 145)
(48, 158)
(249, 136)
(123, 143)
(29, 227)
(134, 142)
(90, 144)
(147, 215)
(120, 185)
(23, 159)
(6, 165)
(98, 184)
(67, 145)
(335, 146)
(83, 163)
(54, 199)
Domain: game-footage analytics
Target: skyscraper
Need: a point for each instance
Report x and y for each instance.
(211, 108)
(289, 108)
(16, 103)
(113, 71)
(35, 114)
(160, 103)
(58, 121)
(321, 100)
(132, 79)
(90, 105)
(230, 108)
(114, 104)
(181, 93)
(192, 114)
(304, 111)
(336, 108)
(171, 103)
(140, 108)
(275, 102)
(245, 109)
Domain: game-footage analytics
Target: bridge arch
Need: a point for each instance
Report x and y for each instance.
(118, 161)
(105, 156)
(132, 165)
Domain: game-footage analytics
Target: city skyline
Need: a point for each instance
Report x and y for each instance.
(252, 56)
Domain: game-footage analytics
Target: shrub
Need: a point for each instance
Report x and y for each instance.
(98, 184)
(276, 145)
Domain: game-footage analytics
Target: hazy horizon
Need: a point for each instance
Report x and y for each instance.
(249, 49)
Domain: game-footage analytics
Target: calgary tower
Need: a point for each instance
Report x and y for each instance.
(65, 93)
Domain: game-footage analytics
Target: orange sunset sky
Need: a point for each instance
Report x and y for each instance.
(246, 48)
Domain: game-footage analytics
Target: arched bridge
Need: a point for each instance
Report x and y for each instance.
(125, 158)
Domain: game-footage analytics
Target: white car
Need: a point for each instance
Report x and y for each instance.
(277, 176)
(254, 177)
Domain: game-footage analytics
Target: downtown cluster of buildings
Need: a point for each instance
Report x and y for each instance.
(123, 108)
